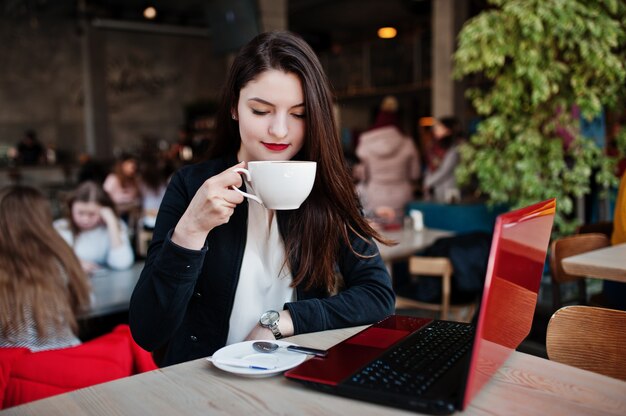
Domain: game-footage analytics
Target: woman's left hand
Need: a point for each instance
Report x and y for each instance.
(285, 325)
(108, 216)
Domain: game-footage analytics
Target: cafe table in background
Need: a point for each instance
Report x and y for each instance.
(524, 385)
(112, 290)
(605, 263)
(409, 242)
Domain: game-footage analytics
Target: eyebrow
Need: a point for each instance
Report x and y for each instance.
(262, 101)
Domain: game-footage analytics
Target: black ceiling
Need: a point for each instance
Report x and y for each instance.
(330, 19)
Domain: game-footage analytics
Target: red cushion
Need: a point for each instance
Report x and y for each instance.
(7, 357)
(35, 375)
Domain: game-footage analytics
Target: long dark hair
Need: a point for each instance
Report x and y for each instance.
(125, 181)
(454, 126)
(39, 272)
(332, 209)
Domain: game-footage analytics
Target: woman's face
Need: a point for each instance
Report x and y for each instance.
(271, 117)
(129, 167)
(86, 215)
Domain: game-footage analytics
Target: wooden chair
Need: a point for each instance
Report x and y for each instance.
(602, 227)
(569, 246)
(590, 338)
(442, 267)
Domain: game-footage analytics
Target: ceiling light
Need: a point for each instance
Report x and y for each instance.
(149, 13)
(387, 32)
(427, 121)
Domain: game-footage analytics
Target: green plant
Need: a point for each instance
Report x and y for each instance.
(540, 58)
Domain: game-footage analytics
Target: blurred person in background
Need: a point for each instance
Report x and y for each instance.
(95, 231)
(90, 169)
(442, 157)
(122, 185)
(30, 151)
(42, 284)
(153, 183)
(181, 151)
(389, 166)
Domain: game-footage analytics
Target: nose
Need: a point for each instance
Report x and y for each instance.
(278, 127)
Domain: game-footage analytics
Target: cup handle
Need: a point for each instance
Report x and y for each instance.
(246, 172)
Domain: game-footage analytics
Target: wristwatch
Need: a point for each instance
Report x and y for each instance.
(270, 320)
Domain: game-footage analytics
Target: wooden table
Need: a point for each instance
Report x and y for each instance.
(525, 384)
(409, 242)
(112, 290)
(604, 263)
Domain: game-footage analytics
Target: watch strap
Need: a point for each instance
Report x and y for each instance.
(276, 331)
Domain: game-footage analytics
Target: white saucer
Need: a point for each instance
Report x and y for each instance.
(281, 359)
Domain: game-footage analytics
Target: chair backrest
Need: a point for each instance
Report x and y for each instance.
(26, 376)
(430, 266)
(590, 338)
(435, 266)
(570, 246)
(440, 267)
(602, 227)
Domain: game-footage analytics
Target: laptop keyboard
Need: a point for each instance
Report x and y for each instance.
(413, 365)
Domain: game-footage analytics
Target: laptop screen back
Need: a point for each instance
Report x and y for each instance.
(516, 263)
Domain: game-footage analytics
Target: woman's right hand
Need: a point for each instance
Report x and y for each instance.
(109, 218)
(212, 205)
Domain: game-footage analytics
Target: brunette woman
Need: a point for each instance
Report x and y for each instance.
(443, 158)
(42, 285)
(221, 269)
(122, 185)
(95, 231)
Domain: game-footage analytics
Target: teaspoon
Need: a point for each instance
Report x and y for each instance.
(268, 347)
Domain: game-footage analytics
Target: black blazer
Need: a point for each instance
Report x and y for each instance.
(182, 303)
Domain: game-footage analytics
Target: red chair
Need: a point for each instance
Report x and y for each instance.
(26, 376)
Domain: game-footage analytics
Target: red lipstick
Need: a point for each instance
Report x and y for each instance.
(277, 147)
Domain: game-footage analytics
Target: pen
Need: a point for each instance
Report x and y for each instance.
(236, 362)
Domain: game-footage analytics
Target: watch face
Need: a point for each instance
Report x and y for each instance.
(269, 318)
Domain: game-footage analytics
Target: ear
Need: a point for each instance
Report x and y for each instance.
(233, 114)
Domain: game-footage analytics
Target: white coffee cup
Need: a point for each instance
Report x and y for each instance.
(280, 184)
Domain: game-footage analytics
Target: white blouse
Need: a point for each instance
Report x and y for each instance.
(264, 279)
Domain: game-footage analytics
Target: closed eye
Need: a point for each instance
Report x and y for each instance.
(259, 112)
(300, 116)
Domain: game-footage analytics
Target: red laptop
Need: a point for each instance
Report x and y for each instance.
(438, 366)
